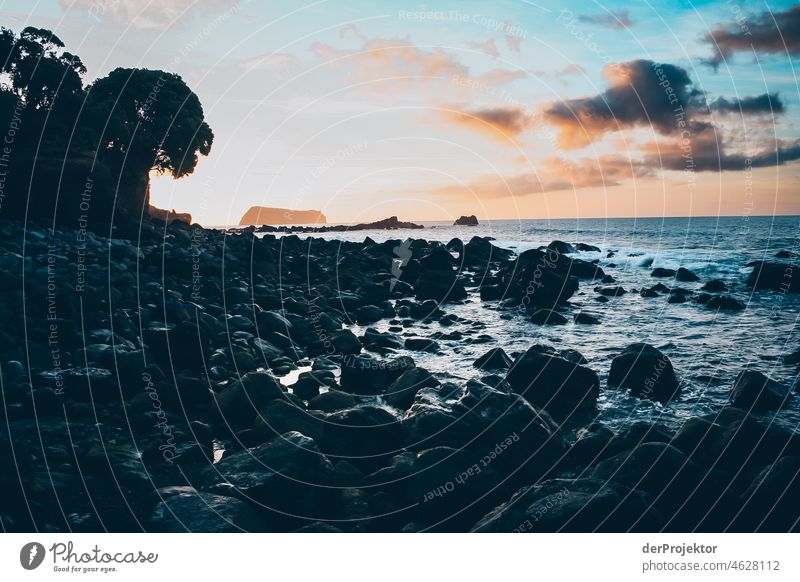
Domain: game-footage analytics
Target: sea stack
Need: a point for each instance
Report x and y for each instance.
(471, 220)
(258, 215)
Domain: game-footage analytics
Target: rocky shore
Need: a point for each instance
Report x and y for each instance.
(184, 379)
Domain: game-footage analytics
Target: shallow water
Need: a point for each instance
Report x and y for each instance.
(707, 348)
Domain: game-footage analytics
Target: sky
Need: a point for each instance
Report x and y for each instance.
(427, 111)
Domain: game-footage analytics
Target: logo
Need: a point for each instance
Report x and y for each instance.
(31, 555)
(403, 253)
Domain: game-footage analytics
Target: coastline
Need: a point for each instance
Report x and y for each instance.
(176, 344)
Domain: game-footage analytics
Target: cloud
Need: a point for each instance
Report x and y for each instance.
(768, 33)
(704, 149)
(555, 174)
(640, 93)
(489, 47)
(159, 15)
(381, 58)
(618, 20)
(498, 122)
(279, 64)
(766, 103)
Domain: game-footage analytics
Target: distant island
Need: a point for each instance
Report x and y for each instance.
(471, 220)
(258, 215)
(391, 223)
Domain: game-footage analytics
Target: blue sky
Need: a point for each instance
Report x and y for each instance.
(431, 110)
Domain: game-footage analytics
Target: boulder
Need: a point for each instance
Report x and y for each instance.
(561, 247)
(548, 317)
(646, 372)
(494, 359)
(714, 286)
(363, 375)
(774, 276)
(284, 477)
(331, 401)
(193, 511)
(586, 318)
(402, 391)
(471, 220)
(240, 402)
(559, 386)
(662, 272)
(367, 436)
(757, 392)
(574, 505)
(685, 275)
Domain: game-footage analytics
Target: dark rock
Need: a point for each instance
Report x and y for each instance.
(205, 513)
(494, 359)
(586, 248)
(714, 286)
(345, 342)
(367, 436)
(331, 401)
(662, 272)
(283, 477)
(281, 416)
(723, 303)
(363, 375)
(574, 505)
(610, 291)
(402, 391)
(585, 318)
(646, 371)
(369, 314)
(769, 504)
(471, 220)
(756, 392)
(686, 276)
(561, 247)
(553, 383)
(775, 276)
(548, 317)
(240, 402)
(419, 344)
(648, 292)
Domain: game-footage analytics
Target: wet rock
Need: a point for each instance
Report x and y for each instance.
(283, 477)
(281, 416)
(548, 317)
(583, 247)
(240, 402)
(648, 292)
(559, 386)
(757, 392)
(345, 342)
(586, 318)
(714, 286)
(768, 504)
(364, 375)
(574, 505)
(645, 371)
(205, 513)
(685, 275)
(561, 247)
(401, 392)
(538, 279)
(369, 314)
(331, 401)
(720, 302)
(419, 344)
(774, 276)
(610, 291)
(482, 420)
(494, 359)
(662, 272)
(366, 436)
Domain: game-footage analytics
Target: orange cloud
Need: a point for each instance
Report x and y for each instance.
(504, 123)
(555, 174)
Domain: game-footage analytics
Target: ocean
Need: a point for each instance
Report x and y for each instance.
(708, 348)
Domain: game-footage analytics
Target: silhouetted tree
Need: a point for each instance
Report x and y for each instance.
(153, 121)
(67, 150)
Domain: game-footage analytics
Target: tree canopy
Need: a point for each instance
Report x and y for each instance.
(60, 133)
